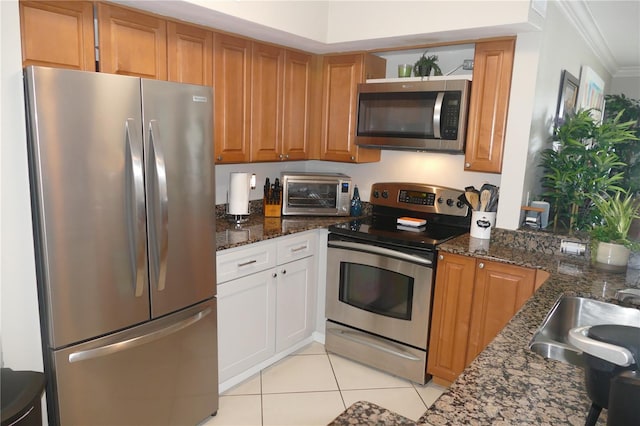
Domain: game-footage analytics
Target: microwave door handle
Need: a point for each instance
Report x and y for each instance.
(437, 115)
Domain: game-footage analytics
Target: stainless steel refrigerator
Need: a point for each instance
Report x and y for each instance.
(122, 190)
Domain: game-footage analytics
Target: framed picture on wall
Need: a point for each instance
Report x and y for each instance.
(567, 97)
(591, 93)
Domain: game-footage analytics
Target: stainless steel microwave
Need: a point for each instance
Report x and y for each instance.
(413, 115)
(315, 194)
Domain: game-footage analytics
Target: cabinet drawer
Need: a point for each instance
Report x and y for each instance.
(235, 263)
(297, 247)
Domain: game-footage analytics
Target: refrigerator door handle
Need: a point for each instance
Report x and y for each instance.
(139, 340)
(161, 244)
(136, 242)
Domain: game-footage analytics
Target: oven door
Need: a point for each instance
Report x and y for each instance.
(380, 290)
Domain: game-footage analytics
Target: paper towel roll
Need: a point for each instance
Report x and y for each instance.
(239, 193)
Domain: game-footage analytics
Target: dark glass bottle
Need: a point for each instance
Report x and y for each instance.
(356, 203)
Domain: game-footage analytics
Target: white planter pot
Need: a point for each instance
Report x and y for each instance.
(612, 256)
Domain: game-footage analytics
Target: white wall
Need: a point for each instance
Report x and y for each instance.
(20, 320)
(561, 48)
(394, 166)
(629, 86)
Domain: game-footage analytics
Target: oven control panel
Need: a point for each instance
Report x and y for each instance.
(419, 197)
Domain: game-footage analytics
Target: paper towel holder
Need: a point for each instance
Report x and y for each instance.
(241, 218)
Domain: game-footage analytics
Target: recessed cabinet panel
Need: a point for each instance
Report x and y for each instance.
(232, 91)
(341, 75)
(57, 34)
(451, 316)
(189, 54)
(267, 78)
(132, 43)
(488, 105)
(297, 100)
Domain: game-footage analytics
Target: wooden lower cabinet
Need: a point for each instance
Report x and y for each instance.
(474, 299)
(451, 316)
(57, 34)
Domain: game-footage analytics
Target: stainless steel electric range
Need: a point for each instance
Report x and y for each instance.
(380, 276)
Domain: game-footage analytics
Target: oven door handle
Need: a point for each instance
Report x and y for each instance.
(367, 248)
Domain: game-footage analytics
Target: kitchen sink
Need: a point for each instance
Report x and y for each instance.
(551, 341)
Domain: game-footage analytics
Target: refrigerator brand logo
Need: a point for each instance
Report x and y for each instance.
(200, 99)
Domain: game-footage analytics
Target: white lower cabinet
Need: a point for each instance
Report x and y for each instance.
(246, 323)
(265, 312)
(295, 302)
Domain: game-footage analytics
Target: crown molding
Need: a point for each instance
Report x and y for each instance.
(579, 14)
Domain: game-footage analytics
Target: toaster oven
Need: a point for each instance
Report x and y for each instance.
(315, 194)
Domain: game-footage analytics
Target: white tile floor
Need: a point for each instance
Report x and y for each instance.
(312, 387)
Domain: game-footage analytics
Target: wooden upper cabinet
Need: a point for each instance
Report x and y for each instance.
(451, 317)
(488, 105)
(297, 103)
(341, 76)
(232, 91)
(189, 54)
(500, 290)
(58, 34)
(132, 43)
(267, 79)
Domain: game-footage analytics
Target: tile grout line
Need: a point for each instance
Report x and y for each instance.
(335, 377)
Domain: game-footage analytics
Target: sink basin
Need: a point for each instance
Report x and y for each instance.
(550, 340)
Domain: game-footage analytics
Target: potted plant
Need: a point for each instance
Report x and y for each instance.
(582, 164)
(425, 65)
(610, 243)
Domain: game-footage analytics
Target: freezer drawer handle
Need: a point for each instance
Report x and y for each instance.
(138, 341)
(161, 247)
(136, 240)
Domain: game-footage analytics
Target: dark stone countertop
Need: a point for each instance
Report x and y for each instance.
(259, 228)
(507, 383)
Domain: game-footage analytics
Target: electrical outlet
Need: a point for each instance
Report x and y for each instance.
(573, 247)
(467, 64)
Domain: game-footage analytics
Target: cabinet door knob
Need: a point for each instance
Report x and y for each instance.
(274, 275)
(219, 158)
(281, 156)
(353, 158)
(440, 257)
(286, 156)
(284, 271)
(467, 165)
(480, 265)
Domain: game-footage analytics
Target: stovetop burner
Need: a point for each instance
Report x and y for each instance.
(445, 215)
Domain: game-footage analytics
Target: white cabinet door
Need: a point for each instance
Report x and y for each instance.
(246, 322)
(296, 302)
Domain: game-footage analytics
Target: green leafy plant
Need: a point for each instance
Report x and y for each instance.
(426, 64)
(615, 216)
(582, 164)
(628, 151)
